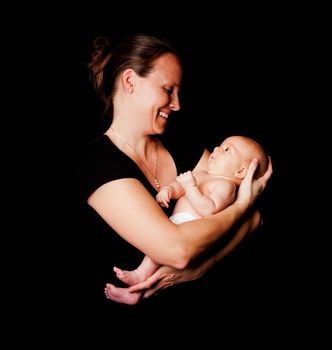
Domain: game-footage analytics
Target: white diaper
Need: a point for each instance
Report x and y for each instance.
(181, 217)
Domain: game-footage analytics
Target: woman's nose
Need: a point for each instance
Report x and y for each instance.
(175, 103)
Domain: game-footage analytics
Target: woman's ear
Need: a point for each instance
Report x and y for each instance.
(128, 78)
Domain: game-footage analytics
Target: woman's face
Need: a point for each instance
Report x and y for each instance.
(157, 93)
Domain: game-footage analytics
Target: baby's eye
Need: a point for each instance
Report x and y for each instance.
(226, 149)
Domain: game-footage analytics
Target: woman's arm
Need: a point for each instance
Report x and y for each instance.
(167, 276)
(135, 215)
(131, 211)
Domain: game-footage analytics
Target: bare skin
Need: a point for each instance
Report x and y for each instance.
(132, 278)
(142, 106)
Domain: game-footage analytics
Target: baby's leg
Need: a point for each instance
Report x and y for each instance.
(144, 270)
(122, 295)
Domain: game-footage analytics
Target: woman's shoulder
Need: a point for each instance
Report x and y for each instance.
(99, 162)
(100, 151)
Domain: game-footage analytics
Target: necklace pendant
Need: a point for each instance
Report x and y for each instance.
(138, 159)
(157, 183)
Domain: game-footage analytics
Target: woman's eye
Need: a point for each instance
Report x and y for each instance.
(168, 91)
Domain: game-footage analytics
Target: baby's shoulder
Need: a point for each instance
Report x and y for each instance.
(222, 184)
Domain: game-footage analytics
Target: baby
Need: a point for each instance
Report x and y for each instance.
(198, 193)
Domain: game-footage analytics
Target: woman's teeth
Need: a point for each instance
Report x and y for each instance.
(163, 114)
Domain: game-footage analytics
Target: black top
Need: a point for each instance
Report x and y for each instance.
(100, 162)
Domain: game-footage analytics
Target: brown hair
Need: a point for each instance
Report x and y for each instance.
(107, 62)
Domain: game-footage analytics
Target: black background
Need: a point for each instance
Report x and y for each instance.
(243, 74)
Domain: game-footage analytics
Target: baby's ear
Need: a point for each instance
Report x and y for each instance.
(241, 173)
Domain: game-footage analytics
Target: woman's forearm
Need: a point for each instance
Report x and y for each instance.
(212, 228)
(150, 231)
(198, 235)
(167, 276)
(248, 226)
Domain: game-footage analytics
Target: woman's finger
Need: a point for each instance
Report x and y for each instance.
(269, 170)
(145, 284)
(150, 292)
(252, 168)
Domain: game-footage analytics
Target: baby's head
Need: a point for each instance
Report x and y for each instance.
(233, 156)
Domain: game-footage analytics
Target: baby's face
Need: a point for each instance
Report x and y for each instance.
(225, 157)
(231, 155)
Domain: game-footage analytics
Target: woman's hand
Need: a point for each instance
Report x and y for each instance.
(250, 187)
(165, 277)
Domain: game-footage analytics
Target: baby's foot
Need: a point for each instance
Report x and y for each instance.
(128, 277)
(121, 295)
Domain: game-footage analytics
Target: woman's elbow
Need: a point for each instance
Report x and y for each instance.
(180, 264)
(178, 258)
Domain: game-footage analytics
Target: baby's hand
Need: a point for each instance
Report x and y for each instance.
(186, 179)
(164, 196)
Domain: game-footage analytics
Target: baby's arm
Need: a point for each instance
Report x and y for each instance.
(221, 195)
(174, 190)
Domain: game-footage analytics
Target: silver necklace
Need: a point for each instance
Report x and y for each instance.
(136, 156)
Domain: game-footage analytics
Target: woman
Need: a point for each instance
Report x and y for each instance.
(120, 173)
